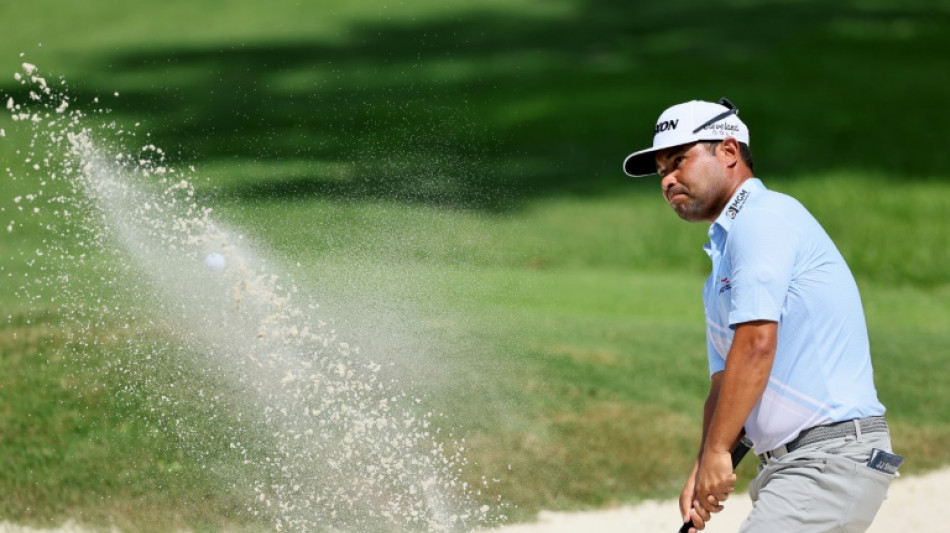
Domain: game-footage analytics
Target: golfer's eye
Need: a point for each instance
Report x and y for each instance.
(675, 164)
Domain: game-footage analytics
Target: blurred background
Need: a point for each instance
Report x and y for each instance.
(458, 165)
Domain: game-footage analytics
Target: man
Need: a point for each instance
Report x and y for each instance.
(787, 343)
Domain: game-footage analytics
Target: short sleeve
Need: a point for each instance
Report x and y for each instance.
(763, 249)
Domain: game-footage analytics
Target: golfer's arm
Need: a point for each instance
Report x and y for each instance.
(709, 408)
(741, 384)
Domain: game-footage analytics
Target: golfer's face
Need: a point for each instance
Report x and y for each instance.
(690, 181)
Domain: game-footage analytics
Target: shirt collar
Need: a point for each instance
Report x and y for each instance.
(738, 201)
(720, 228)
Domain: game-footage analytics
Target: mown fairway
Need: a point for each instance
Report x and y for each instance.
(447, 178)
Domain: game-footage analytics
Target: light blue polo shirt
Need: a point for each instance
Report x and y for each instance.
(771, 260)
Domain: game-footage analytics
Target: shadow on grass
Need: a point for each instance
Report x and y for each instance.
(489, 110)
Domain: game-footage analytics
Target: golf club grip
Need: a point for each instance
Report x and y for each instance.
(737, 454)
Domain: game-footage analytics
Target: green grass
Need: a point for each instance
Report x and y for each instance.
(78, 446)
(561, 364)
(446, 176)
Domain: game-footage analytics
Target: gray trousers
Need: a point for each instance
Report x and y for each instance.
(821, 487)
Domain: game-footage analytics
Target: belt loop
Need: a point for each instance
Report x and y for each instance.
(857, 428)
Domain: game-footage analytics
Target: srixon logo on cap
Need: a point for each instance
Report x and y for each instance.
(665, 125)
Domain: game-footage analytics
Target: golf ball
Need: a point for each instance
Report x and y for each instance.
(215, 262)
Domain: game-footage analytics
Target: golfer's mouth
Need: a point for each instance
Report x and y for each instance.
(673, 194)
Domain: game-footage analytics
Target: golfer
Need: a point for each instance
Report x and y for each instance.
(788, 351)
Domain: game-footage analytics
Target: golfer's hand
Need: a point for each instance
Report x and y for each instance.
(689, 493)
(715, 480)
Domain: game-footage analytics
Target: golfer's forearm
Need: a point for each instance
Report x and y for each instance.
(743, 382)
(709, 408)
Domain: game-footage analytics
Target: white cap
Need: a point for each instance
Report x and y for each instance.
(687, 123)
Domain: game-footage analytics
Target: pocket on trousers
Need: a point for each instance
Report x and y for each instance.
(866, 491)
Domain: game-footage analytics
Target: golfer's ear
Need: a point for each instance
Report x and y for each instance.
(729, 151)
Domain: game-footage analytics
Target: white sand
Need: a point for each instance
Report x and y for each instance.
(911, 506)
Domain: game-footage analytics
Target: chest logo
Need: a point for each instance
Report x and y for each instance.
(725, 284)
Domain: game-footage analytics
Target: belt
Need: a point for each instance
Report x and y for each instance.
(848, 428)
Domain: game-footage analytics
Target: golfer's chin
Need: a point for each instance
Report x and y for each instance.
(687, 211)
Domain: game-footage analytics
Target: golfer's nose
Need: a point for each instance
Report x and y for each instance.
(669, 179)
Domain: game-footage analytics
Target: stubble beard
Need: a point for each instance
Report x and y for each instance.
(693, 211)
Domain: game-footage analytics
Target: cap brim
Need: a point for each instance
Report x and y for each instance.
(642, 163)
